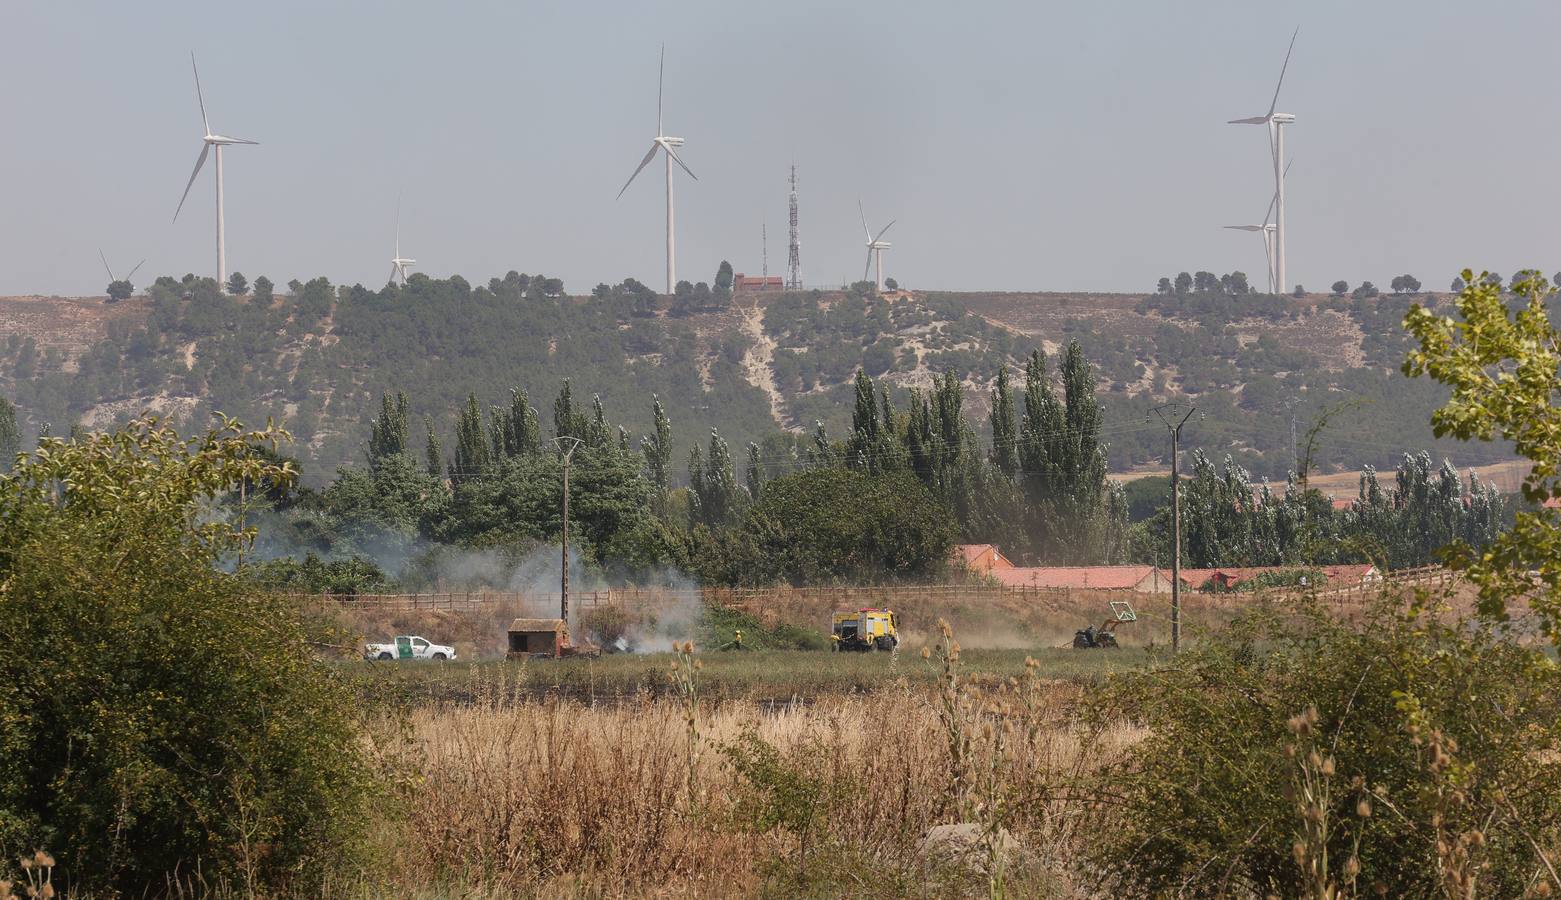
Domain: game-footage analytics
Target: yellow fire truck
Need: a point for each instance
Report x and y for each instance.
(865, 630)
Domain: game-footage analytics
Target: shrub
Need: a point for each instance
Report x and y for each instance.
(1449, 730)
(159, 717)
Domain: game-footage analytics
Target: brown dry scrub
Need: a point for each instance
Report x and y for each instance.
(556, 798)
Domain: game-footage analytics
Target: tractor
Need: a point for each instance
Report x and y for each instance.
(1105, 637)
(864, 630)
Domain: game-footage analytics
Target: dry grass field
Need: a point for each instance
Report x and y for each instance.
(504, 794)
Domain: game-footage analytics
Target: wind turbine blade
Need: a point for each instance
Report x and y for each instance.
(198, 98)
(865, 230)
(1254, 120)
(132, 272)
(885, 228)
(661, 74)
(1244, 227)
(866, 267)
(199, 161)
(105, 265)
(654, 146)
(673, 154)
(394, 271)
(1275, 103)
(233, 140)
(1272, 201)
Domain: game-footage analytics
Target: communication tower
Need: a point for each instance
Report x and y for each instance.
(794, 254)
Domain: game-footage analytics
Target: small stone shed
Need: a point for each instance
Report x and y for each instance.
(538, 637)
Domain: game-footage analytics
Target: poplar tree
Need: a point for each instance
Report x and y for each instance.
(1005, 447)
(10, 437)
(433, 455)
(657, 448)
(388, 432)
(471, 444)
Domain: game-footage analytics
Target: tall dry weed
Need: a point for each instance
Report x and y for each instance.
(512, 792)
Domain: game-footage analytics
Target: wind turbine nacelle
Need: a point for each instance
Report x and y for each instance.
(1284, 118)
(671, 141)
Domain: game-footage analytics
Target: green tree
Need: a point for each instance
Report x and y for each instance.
(723, 282)
(1005, 435)
(120, 289)
(471, 444)
(755, 473)
(1503, 367)
(238, 285)
(165, 717)
(433, 455)
(567, 420)
(388, 432)
(1183, 283)
(834, 525)
(265, 291)
(717, 499)
(1340, 288)
(1164, 286)
(657, 449)
(10, 436)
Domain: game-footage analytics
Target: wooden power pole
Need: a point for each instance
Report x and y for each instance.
(573, 444)
(1169, 415)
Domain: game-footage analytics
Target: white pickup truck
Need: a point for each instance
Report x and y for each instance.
(408, 646)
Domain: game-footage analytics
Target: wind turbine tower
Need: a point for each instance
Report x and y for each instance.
(212, 143)
(1276, 122)
(399, 263)
(875, 248)
(666, 144)
(794, 254)
(1267, 229)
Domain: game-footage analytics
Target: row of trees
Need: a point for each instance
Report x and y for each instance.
(1229, 521)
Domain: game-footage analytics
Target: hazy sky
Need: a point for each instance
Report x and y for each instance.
(1021, 146)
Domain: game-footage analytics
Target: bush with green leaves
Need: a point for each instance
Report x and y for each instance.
(1445, 735)
(159, 717)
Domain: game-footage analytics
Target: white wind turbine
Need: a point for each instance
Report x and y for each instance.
(664, 143)
(212, 143)
(1276, 146)
(398, 263)
(1267, 230)
(875, 247)
(111, 276)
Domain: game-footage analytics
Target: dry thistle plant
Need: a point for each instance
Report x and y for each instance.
(685, 674)
(1312, 790)
(38, 874)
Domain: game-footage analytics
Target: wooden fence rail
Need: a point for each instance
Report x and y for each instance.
(843, 597)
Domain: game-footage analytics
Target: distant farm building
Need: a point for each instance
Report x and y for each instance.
(1228, 578)
(756, 283)
(1144, 579)
(981, 558)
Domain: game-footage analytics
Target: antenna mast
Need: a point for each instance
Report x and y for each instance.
(764, 243)
(794, 254)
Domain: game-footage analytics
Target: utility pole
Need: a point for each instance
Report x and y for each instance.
(574, 444)
(1168, 414)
